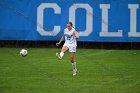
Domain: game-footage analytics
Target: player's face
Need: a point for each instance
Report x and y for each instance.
(69, 26)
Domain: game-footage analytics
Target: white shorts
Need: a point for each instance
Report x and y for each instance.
(71, 47)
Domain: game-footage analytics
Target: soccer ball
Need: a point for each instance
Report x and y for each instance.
(23, 52)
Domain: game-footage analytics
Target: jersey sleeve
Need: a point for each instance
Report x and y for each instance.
(73, 30)
(64, 31)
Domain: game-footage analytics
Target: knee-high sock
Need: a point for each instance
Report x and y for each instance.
(61, 54)
(74, 65)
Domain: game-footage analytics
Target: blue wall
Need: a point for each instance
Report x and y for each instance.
(95, 20)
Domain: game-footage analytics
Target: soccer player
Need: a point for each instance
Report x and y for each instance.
(70, 35)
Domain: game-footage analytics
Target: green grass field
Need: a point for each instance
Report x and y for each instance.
(99, 71)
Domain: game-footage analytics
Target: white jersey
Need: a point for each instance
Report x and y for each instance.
(69, 36)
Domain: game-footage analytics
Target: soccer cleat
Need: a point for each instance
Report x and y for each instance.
(58, 56)
(74, 72)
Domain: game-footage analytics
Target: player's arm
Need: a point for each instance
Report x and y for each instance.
(76, 34)
(62, 38)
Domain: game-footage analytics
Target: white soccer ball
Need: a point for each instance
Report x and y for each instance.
(23, 52)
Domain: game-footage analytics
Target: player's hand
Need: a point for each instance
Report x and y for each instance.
(57, 44)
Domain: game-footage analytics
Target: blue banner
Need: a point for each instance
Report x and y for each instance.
(95, 20)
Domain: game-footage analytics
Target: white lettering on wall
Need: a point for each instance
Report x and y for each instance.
(133, 20)
(89, 18)
(104, 27)
(40, 19)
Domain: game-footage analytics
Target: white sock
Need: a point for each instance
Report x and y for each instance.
(61, 54)
(74, 65)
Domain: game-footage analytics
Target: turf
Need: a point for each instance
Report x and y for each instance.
(99, 71)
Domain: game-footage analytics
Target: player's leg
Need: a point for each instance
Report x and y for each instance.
(61, 54)
(73, 63)
(63, 50)
(72, 50)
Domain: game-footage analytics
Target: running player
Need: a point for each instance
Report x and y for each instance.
(70, 35)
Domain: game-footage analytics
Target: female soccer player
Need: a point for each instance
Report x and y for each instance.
(70, 35)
